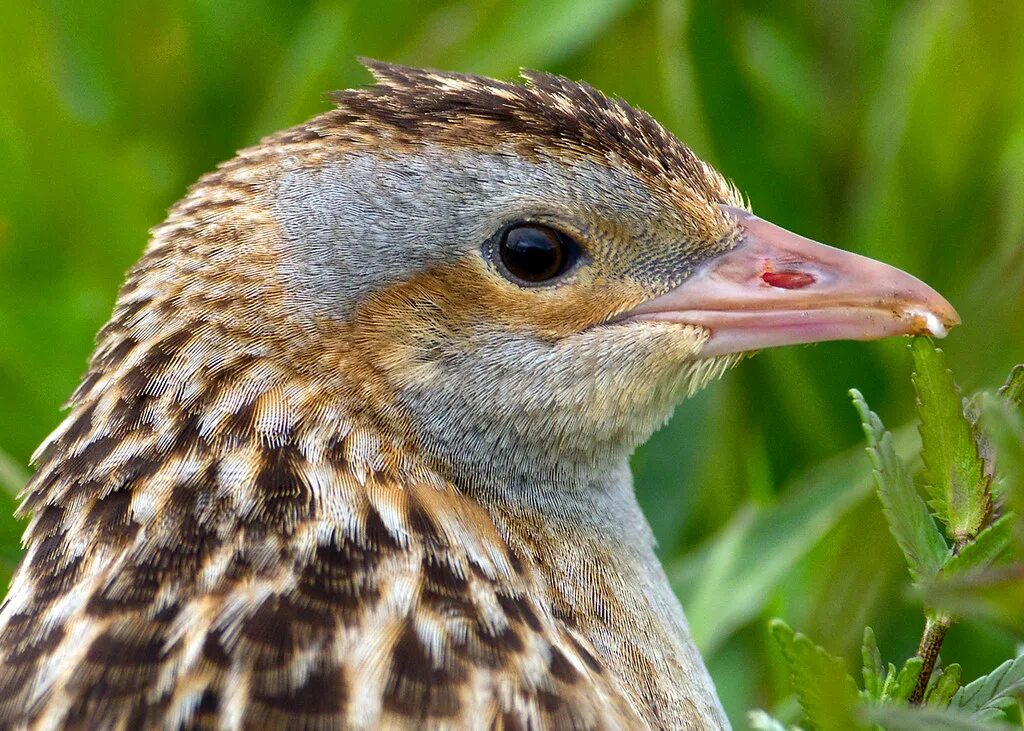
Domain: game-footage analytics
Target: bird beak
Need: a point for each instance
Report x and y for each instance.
(776, 288)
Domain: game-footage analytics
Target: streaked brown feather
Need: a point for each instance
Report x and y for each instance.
(288, 569)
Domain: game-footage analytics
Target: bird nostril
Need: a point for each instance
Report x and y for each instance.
(788, 280)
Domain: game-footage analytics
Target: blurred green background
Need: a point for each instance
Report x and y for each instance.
(895, 129)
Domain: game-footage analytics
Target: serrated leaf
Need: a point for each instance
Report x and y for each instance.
(873, 668)
(1006, 427)
(889, 684)
(986, 449)
(827, 694)
(909, 520)
(907, 678)
(915, 718)
(957, 479)
(1013, 390)
(946, 686)
(991, 545)
(987, 697)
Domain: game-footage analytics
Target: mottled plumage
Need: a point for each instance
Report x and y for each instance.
(329, 470)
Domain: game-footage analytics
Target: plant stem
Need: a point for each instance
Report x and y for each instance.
(928, 650)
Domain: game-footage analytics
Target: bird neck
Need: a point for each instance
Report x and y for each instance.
(602, 578)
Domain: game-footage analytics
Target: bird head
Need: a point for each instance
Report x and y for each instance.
(526, 277)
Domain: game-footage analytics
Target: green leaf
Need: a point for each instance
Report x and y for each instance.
(1013, 390)
(986, 449)
(907, 678)
(957, 478)
(873, 668)
(827, 694)
(1005, 425)
(987, 697)
(989, 547)
(889, 684)
(946, 686)
(909, 520)
(913, 718)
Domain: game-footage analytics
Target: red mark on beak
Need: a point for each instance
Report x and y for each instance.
(787, 280)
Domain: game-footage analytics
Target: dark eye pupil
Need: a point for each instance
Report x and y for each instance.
(533, 253)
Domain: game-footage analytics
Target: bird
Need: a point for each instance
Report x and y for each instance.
(352, 450)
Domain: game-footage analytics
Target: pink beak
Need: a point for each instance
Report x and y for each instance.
(777, 288)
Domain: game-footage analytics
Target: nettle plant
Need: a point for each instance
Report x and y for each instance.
(956, 519)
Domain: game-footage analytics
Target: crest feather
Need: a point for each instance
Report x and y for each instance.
(547, 114)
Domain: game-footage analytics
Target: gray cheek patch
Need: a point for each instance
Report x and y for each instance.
(364, 221)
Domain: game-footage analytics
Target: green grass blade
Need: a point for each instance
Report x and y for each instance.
(727, 581)
(678, 77)
(12, 480)
(12, 476)
(537, 33)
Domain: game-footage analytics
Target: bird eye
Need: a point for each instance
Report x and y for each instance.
(536, 254)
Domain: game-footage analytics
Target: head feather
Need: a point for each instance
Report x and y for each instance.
(548, 114)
